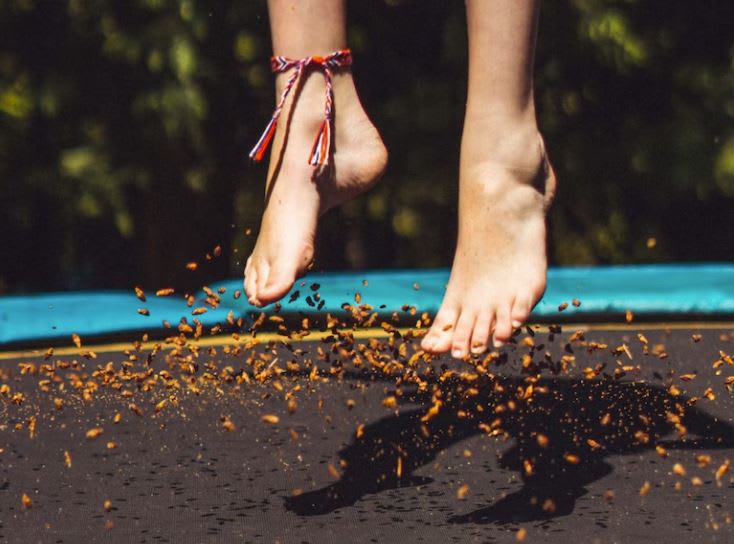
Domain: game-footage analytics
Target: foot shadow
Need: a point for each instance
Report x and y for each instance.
(582, 423)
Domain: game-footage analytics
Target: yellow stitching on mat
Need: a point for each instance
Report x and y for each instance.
(223, 340)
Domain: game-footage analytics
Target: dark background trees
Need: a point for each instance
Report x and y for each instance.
(125, 128)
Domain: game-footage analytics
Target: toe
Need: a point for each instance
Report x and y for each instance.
(480, 334)
(503, 326)
(250, 281)
(439, 337)
(520, 312)
(262, 270)
(462, 334)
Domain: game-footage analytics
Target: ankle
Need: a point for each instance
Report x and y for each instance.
(493, 117)
(500, 109)
(310, 96)
(505, 141)
(312, 82)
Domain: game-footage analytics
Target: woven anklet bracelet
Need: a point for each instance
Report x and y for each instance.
(321, 149)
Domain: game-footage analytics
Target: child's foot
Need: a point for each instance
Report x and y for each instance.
(499, 271)
(295, 197)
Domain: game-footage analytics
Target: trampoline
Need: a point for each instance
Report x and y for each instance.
(329, 425)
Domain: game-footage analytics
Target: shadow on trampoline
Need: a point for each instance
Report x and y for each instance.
(591, 420)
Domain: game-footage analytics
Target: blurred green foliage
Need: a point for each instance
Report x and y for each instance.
(125, 128)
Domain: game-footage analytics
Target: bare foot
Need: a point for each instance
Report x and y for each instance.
(506, 185)
(296, 196)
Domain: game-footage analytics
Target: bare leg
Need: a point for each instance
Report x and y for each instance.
(505, 186)
(295, 198)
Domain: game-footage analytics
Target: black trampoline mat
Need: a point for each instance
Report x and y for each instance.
(178, 475)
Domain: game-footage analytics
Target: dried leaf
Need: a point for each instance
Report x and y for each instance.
(95, 432)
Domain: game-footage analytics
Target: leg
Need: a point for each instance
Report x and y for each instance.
(295, 197)
(505, 186)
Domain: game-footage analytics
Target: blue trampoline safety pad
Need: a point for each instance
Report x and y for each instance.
(659, 290)
(59, 315)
